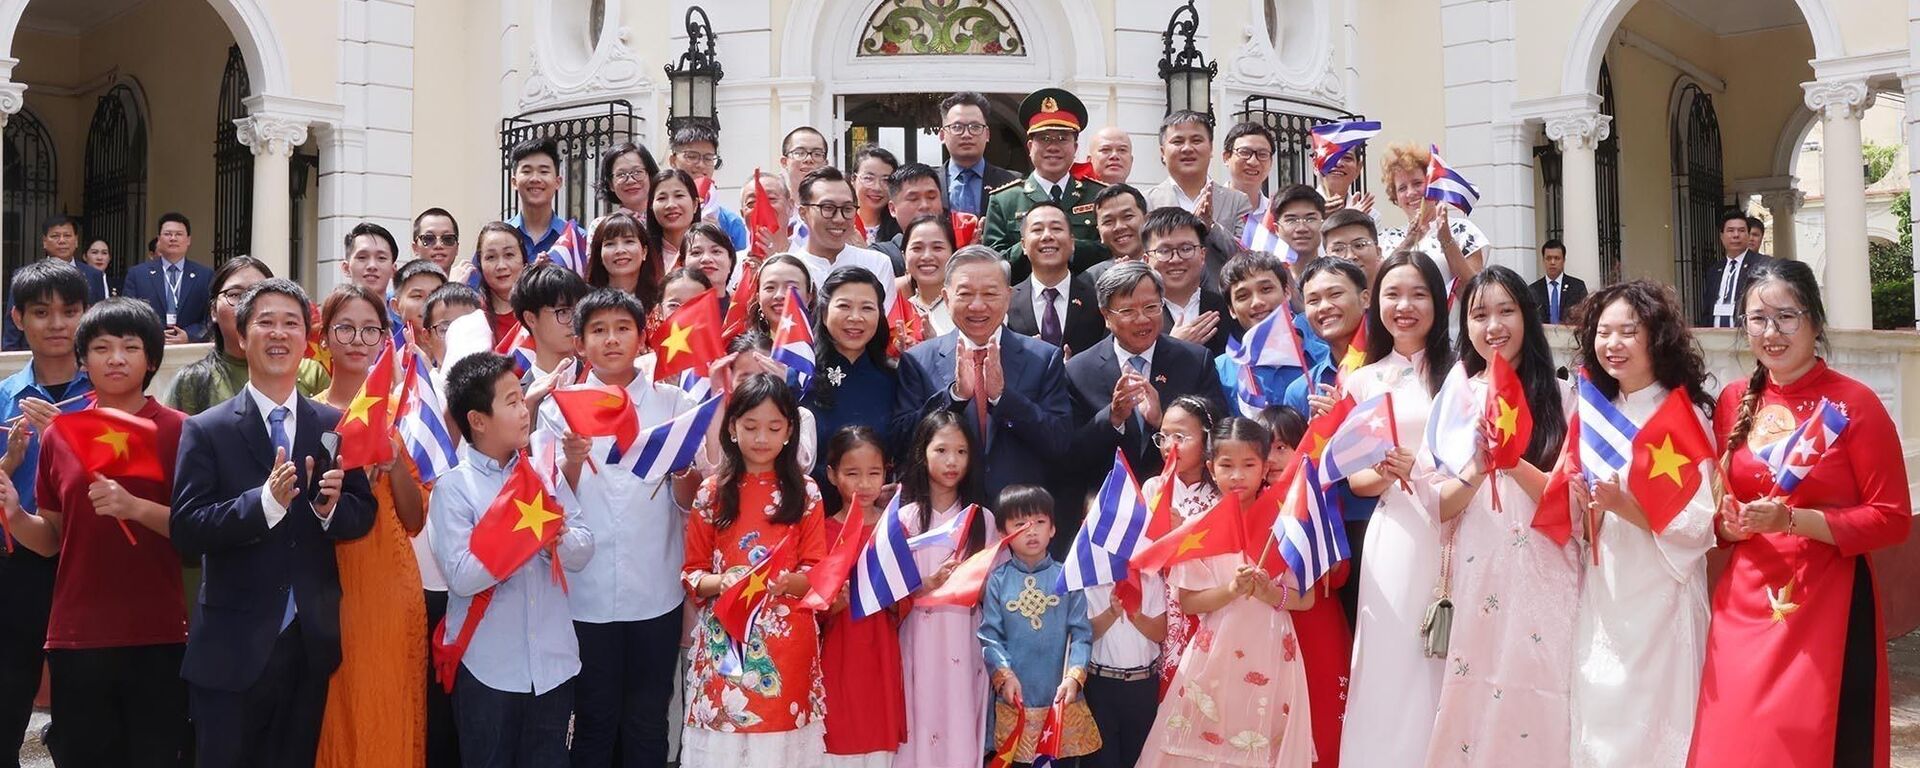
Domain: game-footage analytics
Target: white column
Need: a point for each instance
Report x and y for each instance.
(1910, 83)
(272, 139)
(13, 96)
(1849, 295)
(1783, 204)
(1578, 135)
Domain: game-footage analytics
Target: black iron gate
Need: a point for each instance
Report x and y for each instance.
(116, 177)
(31, 184)
(583, 133)
(232, 166)
(1293, 133)
(1699, 193)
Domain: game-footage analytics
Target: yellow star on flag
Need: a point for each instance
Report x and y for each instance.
(1665, 461)
(1319, 445)
(676, 343)
(1192, 541)
(115, 438)
(609, 402)
(534, 515)
(1508, 421)
(360, 409)
(756, 584)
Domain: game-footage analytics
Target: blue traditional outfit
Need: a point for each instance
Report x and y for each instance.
(1040, 637)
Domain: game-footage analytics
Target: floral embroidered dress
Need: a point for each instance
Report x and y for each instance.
(1188, 500)
(1240, 695)
(768, 711)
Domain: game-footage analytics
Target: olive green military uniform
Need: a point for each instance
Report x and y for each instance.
(1007, 209)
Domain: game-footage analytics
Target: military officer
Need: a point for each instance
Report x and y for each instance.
(1054, 119)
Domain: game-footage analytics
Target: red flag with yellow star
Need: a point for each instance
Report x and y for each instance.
(1213, 532)
(1507, 413)
(737, 605)
(599, 411)
(366, 429)
(1665, 472)
(112, 443)
(316, 351)
(1007, 752)
(689, 339)
(523, 518)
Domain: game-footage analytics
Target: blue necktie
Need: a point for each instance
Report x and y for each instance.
(1139, 365)
(1553, 301)
(173, 288)
(962, 192)
(277, 432)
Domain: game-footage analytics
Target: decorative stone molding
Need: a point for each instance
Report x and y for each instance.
(1782, 202)
(1579, 131)
(615, 68)
(13, 96)
(276, 135)
(1257, 66)
(1838, 98)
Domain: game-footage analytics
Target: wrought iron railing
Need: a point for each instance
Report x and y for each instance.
(1292, 122)
(583, 132)
(31, 188)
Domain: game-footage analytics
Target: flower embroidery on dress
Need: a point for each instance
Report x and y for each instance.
(1255, 678)
(1781, 602)
(1289, 647)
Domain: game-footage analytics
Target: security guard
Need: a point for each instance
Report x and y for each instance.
(1054, 119)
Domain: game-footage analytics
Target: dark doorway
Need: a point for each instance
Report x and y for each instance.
(908, 125)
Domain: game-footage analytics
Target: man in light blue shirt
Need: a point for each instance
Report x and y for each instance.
(535, 165)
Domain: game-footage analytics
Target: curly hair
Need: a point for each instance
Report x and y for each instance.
(1402, 158)
(1675, 353)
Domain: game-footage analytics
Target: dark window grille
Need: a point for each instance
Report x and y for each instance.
(1606, 172)
(232, 166)
(1699, 195)
(583, 133)
(1546, 157)
(116, 177)
(32, 188)
(1293, 132)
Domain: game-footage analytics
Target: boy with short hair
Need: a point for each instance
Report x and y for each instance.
(1298, 210)
(446, 304)
(1036, 643)
(1258, 284)
(1351, 234)
(695, 148)
(543, 302)
(412, 284)
(117, 632)
(535, 165)
(514, 688)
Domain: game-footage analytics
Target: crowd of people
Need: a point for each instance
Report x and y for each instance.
(987, 348)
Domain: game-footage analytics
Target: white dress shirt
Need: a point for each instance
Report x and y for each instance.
(850, 256)
(1184, 312)
(1059, 301)
(1122, 646)
(1120, 353)
(270, 507)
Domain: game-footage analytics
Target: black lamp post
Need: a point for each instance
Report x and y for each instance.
(1188, 74)
(695, 75)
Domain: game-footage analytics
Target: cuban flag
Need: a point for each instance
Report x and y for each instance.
(793, 340)
(1334, 140)
(1270, 343)
(1262, 233)
(1312, 539)
(951, 533)
(568, 250)
(422, 426)
(1606, 435)
(1453, 429)
(667, 448)
(1447, 186)
(1792, 458)
(519, 349)
(695, 385)
(885, 572)
(1112, 532)
(1362, 440)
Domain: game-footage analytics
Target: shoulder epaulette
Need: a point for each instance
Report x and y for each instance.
(1009, 185)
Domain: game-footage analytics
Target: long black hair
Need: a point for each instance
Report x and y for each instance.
(1675, 353)
(1798, 279)
(749, 393)
(1439, 358)
(916, 484)
(1535, 366)
(221, 275)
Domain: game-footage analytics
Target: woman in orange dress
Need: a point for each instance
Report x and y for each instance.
(376, 703)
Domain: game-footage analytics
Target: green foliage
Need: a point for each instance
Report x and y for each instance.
(1879, 158)
(1893, 304)
(1903, 212)
(1890, 266)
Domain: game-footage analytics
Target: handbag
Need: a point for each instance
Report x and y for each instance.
(1437, 627)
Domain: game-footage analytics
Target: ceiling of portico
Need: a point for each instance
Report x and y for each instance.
(72, 17)
(1729, 18)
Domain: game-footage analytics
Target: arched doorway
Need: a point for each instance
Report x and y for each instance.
(32, 189)
(232, 165)
(1698, 192)
(116, 176)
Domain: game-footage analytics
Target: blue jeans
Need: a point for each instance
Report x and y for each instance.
(511, 730)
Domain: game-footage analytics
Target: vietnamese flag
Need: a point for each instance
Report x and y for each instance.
(599, 411)
(962, 587)
(736, 322)
(1665, 472)
(113, 443)
(759, 218)
(737, 606)
(1507, 413)
(1555, 515)
(826, 577)
(1160, 507)
(966, 228)
(316, 351)
(366, 429)
(1216, 531)
(1321, 429)
(523, 518)
(1256, 522)
(1007, 752)
(905, 322)
(1356, 355)
(689, 339)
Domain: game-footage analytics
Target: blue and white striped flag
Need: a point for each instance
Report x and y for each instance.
(885, 572)
(1446, 185)
(793, 341)
(1606, 435)
(1312, 538)
(1363, 438)
(668, 448)
(1114, 528)
(1792, 457)
(422, 422)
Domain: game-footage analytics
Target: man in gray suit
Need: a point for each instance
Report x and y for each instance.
(1186, 149)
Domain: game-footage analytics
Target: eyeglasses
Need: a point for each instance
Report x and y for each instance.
(965, 129)
(440, 328)
(707, 158)
(1355, 246)
(427, 241)
(1054, 137)
(562, 315)
(232, 296)
(1130, 314)
(1187, 251)
(1309, 220)
(1249, 153)
(1787, 321)
(1163, 439)
(807, 154)
(369, 335)
(633, 175)
(834, 211)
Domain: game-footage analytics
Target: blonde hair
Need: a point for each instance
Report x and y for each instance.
(1402, 158)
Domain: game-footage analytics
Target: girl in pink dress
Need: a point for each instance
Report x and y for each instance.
(946, 678)
(1240, 695)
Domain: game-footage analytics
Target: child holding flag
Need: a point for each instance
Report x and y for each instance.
(118, 627)
(1240, 695)
(754, 701)
(1794, 669)
(939, 647)
(507, 627)
(1505, 701)
(860, 658)
(1036, 643)
(1640, 636)
(376, 704)
(1185, 492)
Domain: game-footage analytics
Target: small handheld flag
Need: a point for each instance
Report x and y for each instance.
(738, 606)
(567, 249)
(1007, 752)
(599, 411)
(1792, 457)
(1453, 426)
(1508, 413)
(518, 347)
(793, 339)
(1334, 140)
(366, 428)
(522, 518)
(689, 339)
(666, 448)
(1262, 233)
(886, 571)
(1364, 437)
(1216, 531)
(1312, 538)
(1110, 535)
(963, 585)
(422, 421)
(1667, 452)
(760, 217)
(1446, 185)
(1555, 515)
(828, 576)
(905, 322)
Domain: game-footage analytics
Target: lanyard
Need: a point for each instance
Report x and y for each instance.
(171, 275)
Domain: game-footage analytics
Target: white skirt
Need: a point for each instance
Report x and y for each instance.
(802, 748)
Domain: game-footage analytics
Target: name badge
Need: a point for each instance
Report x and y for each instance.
(1088, 208)
(173, 319)
(1723, 309)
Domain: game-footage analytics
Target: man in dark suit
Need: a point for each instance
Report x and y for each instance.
(1175, 244)
(1728, 278)
(1020, 382)
(178, 289)
(60, 240)
(1053, 118)
(1119, 387)
(1557, 293)
(248, 505)
(1054, 305)
(967, 177)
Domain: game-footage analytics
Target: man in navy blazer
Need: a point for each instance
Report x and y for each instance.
(59, 239)
(247, 505)
(179, 290)
(1021, 381)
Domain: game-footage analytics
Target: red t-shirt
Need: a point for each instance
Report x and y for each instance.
(503, 325)
(109, 593)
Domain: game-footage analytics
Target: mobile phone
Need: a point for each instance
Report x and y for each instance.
(329, 452)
